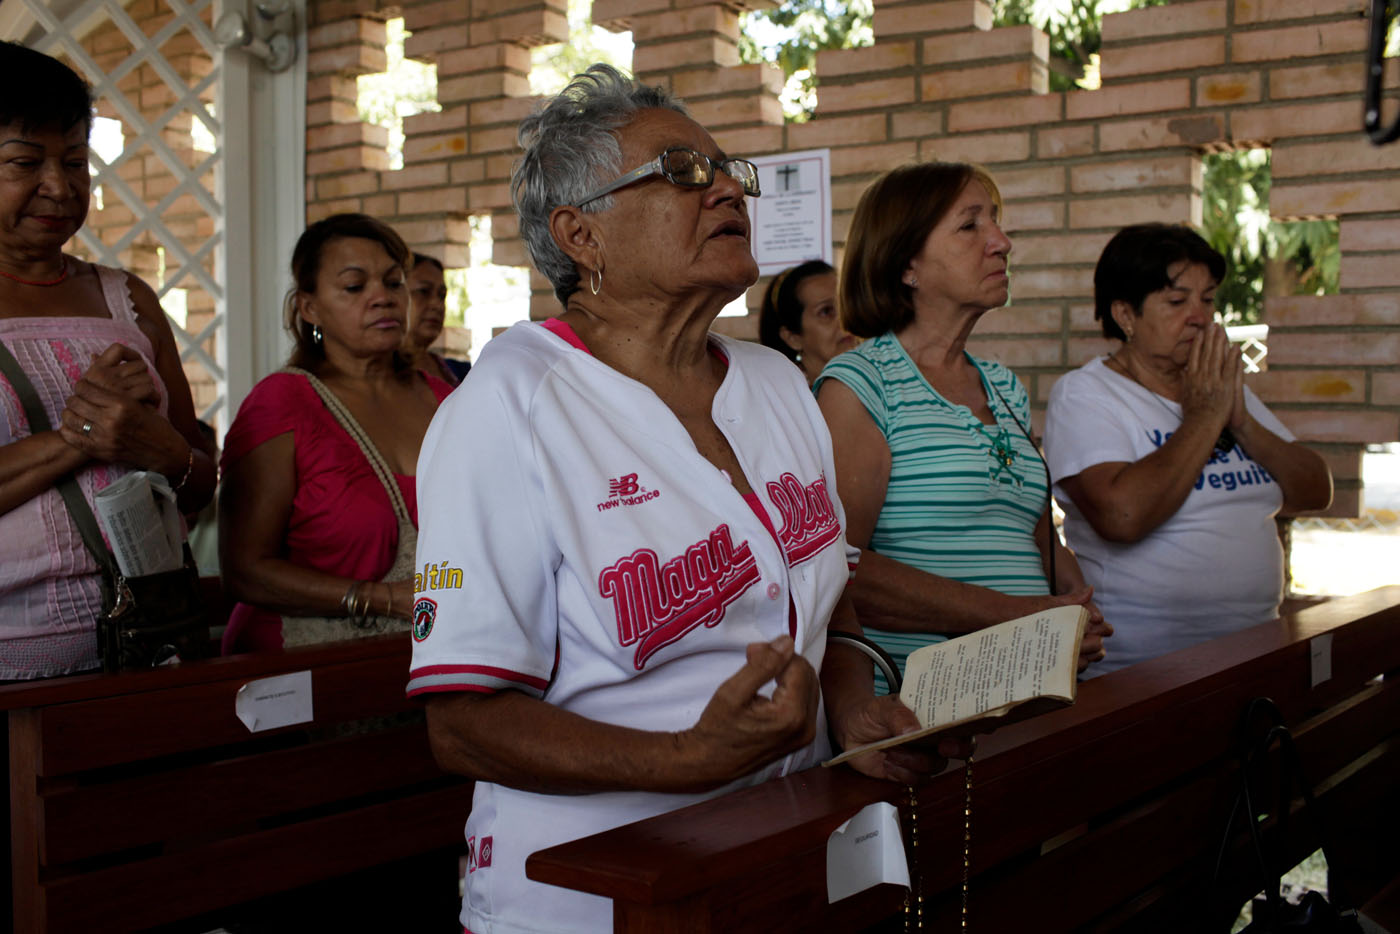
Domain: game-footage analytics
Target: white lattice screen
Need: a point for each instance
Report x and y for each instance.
(158, 207)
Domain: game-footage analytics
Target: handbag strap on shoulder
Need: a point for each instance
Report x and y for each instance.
(66, 485)
(353, 429)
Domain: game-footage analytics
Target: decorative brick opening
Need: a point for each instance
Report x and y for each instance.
(1178, 81)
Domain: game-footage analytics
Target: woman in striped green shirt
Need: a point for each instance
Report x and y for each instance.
(942, 486)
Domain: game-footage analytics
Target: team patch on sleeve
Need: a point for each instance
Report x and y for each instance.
(424, 615)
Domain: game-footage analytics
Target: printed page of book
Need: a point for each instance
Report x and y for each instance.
(972, 683)
(990, 670)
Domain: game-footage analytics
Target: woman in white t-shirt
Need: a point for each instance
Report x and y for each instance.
(1170, 470)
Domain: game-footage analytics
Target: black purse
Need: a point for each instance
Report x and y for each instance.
(1273, 914)
(153, 619)
(146, 621)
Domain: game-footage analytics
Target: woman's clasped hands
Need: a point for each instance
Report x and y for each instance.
(113, 415)
(1213, 381)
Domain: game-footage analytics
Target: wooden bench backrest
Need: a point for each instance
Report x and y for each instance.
(1133, 782)
(139, 799)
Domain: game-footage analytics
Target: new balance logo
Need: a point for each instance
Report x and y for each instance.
(623, 486)
(626, 491)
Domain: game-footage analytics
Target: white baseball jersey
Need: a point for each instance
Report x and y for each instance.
(574, 545)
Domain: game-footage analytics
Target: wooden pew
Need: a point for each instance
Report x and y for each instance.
(1103, 816)
(140, 799)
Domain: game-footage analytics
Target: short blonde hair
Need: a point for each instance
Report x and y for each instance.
(891, 223)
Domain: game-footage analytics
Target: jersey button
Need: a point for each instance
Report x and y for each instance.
(773, 591)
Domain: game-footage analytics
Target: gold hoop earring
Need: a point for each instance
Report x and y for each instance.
(595, 280)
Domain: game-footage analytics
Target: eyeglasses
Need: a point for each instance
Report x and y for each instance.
(688, 169)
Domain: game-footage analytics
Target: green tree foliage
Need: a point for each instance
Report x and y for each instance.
(1075, 30)
(1235, 220)
(814, 25)
(404, 88)
(792, 34)
(1266, 257)
(551, 66)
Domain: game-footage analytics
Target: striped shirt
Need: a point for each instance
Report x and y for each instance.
(954, 506)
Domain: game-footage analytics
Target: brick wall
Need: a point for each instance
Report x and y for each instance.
(939, 83)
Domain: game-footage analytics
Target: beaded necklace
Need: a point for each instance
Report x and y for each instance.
(63, 274)
(1001, 454)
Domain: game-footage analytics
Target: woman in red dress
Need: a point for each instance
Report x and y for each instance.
(318, 508)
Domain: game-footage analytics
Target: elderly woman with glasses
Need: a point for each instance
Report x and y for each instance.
(631, 550)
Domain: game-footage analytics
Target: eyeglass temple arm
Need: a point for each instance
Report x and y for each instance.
(640, 172)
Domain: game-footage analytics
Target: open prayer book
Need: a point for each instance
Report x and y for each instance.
(986, 679)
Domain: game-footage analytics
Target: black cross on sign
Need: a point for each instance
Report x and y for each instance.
(786, 172)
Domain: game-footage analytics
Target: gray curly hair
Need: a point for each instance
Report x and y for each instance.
(570, 149)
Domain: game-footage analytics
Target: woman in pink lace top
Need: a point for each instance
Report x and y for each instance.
(100, 354)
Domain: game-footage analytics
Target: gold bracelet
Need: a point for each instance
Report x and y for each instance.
(357, 601)
(347, 601)
(189, 469)
(389, 610)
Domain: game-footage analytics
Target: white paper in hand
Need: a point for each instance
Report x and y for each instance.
(866, 850)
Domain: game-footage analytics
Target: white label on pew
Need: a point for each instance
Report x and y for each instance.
(268, 703)
(866, 850)
(1320, 655)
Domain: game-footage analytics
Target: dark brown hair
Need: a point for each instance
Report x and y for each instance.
(891, 223)
(41, 92)
(420, 258)
(1134, 265)
(306, 266)
(781, 308)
